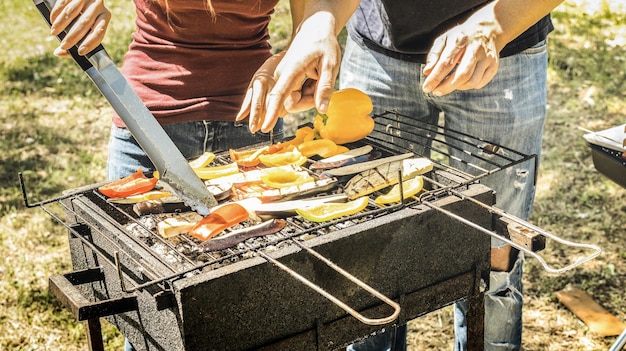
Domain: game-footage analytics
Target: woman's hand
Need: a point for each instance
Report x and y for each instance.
(254, 103)
(297, 79)
(91, 19)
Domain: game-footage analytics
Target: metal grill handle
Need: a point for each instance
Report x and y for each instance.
(596, 250)
(336, 301)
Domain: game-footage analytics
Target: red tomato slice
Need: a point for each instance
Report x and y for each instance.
(136, 183)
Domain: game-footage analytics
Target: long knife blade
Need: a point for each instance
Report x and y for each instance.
(173, 168)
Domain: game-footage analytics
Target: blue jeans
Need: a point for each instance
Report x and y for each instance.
(191, 138)
(509, 111)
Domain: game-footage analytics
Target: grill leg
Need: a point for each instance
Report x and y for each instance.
(94, 334)
(476, 322)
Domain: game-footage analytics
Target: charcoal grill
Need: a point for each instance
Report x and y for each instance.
(309, 287)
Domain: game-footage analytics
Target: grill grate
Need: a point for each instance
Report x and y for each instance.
(392, 135)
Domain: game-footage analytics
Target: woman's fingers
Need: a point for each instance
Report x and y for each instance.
(84, 21)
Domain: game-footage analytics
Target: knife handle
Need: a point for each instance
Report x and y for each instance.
(44, 7)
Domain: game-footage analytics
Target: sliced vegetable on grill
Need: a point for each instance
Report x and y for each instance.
(322, 147)
(329, 211)
(173, 226)
(202, 161)
(269, 194)
(409, 188)
(280, 178)
(222, 217)
(237, 236)
(386, 175)
(250, 157)
(213, 172)
(147, 196)
(293, 157)
(303, 134)
(136, 183)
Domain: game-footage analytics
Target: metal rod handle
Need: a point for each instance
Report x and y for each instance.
(619, 342)
(596, 250)
(335, 300)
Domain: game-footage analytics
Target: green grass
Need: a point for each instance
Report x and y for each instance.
(54, 128)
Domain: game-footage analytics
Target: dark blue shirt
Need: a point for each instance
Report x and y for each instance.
(406, 30)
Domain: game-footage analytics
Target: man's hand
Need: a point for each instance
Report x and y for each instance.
(91, 21)
(465, 57)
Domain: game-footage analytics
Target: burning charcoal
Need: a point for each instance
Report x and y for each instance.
(307, 236)
(138, 230)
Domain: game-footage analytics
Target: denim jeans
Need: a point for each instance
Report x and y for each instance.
(509, 111)
(191, 138)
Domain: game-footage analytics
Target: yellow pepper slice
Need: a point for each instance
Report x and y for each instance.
(279, 178)
(409, 188)
(217, 171)
(293, 157)
(202, 160)
(323, 147)
(330, 210)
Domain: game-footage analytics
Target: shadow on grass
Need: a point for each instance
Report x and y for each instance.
(32, 148)
(55, 76)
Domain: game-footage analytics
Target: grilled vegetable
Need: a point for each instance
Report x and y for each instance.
(250, 157)
(325, 165)
(220, 218)
(250, 175)
(172, 226)
(237, 236)
(329, 211)
(293, 157)
(322, 147)
(303, 134)
(216, 171)
(282, 194)
(136, 183)
(347, 119)
(346, 155)
(203, 160)
(409, 188)
(159, 206)
(280, 178)
(133, 199)
(288, 208)
(364, 166)
(386, 175)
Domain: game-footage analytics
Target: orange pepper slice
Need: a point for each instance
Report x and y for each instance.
(323, 147)
(303, 134)
(136, 183)
(221, 218)
(250, 158)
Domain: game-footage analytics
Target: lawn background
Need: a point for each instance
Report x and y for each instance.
(54, 128)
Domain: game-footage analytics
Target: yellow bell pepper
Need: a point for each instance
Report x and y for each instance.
(347, 119)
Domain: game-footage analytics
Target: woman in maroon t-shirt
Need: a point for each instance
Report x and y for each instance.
(193, 61)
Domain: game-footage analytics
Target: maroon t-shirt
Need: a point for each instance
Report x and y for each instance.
(196, 66)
